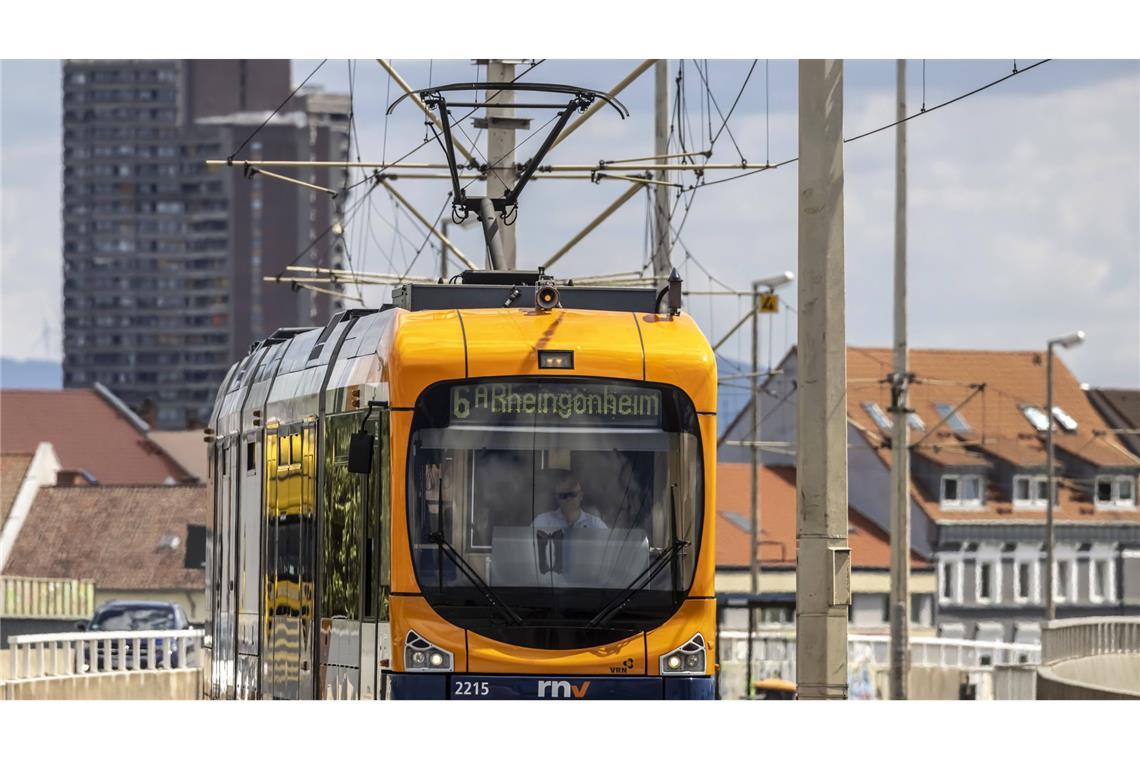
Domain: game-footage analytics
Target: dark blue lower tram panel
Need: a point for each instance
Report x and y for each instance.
(455, 686)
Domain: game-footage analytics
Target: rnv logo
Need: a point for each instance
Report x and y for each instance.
(561, 690)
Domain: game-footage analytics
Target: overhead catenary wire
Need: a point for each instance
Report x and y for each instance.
(276, 110)
(915, 115)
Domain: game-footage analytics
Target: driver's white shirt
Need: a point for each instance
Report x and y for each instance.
(555, 520)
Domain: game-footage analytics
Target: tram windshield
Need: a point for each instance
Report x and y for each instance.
(555, 513)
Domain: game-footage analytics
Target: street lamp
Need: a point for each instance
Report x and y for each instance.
(768, 284)
(1065, 341)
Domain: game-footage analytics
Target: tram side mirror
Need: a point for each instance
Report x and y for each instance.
(360, 453)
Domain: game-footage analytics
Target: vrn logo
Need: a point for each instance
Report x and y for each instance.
(561, 690)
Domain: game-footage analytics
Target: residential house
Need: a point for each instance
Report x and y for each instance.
(870, 554)
(134, 542)
(978, 483)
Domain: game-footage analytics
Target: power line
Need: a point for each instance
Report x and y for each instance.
(275, 110)
(880, 129)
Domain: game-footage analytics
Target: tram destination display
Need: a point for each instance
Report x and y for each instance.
(505, 403)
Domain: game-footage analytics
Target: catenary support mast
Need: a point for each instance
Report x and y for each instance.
(823, 567)
(661, 252)
(900, 451)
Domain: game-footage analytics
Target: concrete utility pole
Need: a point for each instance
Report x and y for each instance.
(661, 251)
(900, 452)
(823, 567)
(501, 148)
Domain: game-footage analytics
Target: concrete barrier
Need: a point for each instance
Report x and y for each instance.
(1090, 658)
(143, 684)
(1105, 676)
(923, 682)
(1015, 682)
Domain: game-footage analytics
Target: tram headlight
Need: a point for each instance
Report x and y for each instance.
(686, 660)
(421, 655)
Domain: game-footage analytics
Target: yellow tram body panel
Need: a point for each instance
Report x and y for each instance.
(437, 346)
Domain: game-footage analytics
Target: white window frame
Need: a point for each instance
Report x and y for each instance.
(1030, 555)
(1065, 554)
(1115, 500)
(988, 555)
(961, 503)
(1035, 483)
(952, 563)
(1102, 555)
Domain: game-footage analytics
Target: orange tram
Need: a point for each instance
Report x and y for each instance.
(493, 489)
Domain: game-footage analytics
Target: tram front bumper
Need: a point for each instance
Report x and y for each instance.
(465, 686)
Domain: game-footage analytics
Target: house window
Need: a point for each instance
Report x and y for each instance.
(985, 582)
(1062, 578)
(1036, 417)
(954, 420)
(961, 490)
(1031, 490)
(987, 574)
(1116, 491)
(950, 571)
(1022, 582)
(1067, 422)
(915, 421)
(877, 414)
(1102, 576)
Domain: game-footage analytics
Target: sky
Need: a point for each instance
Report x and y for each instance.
(1024, 213)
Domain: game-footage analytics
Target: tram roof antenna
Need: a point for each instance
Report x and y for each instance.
(485, 208)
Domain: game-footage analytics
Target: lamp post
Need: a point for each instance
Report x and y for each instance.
(769, 285)
(1065, 341)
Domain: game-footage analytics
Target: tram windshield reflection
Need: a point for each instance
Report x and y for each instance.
(557, 498)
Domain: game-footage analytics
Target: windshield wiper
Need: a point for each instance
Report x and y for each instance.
(473, 576)
(641, 581)
(667, 557)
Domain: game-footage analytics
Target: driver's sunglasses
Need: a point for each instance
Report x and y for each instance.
(564, 495)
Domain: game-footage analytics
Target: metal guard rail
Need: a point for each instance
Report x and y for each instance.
(1087, 637)
(924, 651)
(95, 652)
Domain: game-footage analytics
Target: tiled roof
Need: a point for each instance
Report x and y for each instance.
(997, 425)
(870, 546)
(13, 468)
(186, 447)
(122, 537)
(87, 432)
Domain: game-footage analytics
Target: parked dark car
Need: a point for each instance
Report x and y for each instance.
(136, 616)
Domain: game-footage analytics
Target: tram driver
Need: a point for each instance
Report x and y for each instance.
(568, 512)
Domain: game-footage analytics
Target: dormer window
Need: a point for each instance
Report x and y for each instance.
(877, 414)
(1032, 490)
(954, 420)
(1067, 422)
(961, 490)
(1115, 491)
(1036, 417)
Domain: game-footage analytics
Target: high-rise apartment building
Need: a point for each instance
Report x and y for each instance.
(164, 259)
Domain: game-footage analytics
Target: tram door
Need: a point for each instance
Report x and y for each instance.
(351, 554)
(248, 571)
(224, 587)
(287, 654)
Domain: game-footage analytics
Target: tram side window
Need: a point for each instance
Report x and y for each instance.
(343, 514)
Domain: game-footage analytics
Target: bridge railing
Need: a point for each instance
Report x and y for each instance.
(95, 652)
(868, 656)
(1087, 637)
